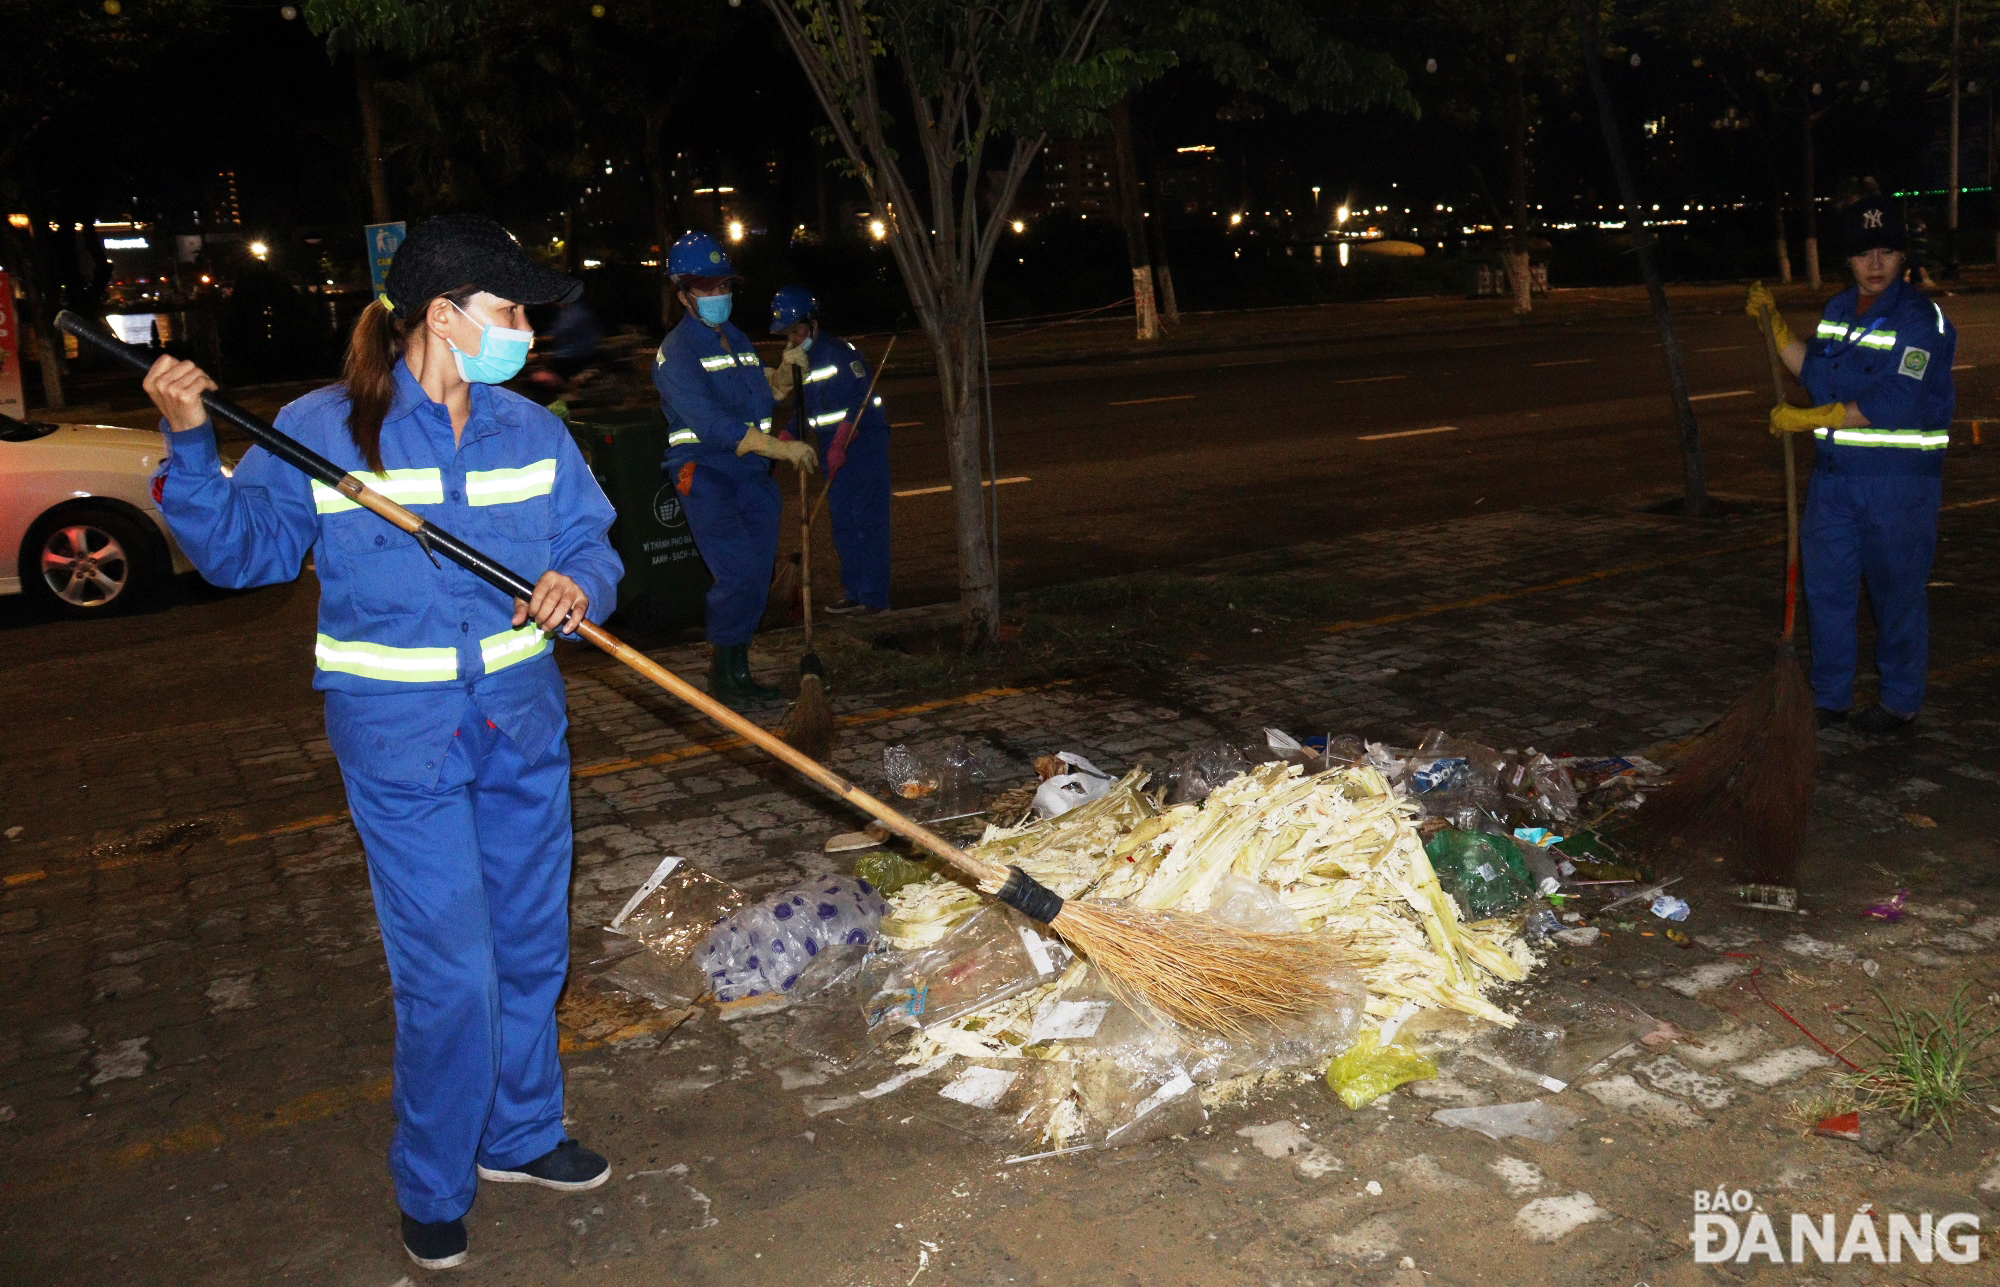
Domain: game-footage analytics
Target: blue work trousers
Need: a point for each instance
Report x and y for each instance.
(857, 502)
(471, 884)
(1881, 529)
(735, 523)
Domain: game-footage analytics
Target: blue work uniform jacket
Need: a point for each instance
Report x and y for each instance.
(397, 631)
(713, 390)
(836, 380)
(1894, 362)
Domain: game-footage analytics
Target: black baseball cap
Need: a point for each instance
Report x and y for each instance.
(451, 251)
(1873, 224)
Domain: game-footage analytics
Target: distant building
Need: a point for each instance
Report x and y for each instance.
(1077, 176)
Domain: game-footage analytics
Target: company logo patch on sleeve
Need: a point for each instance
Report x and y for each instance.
(1915, 362)
(860, 371)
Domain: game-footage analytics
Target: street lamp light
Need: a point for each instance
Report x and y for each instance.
(259, 250)
(878, 230)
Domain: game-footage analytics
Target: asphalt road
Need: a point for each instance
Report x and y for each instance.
(1363, 418)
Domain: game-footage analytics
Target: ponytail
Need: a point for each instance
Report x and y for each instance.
(369, 372)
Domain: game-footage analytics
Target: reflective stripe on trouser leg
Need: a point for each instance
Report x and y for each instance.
(1898, 518)
(1830, 564)
(858, 504)
(735, 523)
(477, 939)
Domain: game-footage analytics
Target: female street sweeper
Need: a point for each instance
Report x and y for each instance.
(443, 702)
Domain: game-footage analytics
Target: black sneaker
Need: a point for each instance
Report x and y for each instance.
(435, 1246)
(1826, 717)
(1880, 721)
(849, 608)
(569, 1167)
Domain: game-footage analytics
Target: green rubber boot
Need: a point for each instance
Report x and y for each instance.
(739, 663)
(729, 679)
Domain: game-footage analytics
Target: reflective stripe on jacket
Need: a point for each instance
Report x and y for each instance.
(393, 624)
(713, 391)
(1894, 362)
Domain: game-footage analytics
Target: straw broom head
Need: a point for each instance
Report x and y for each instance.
(809, 724)
(1202, 973)
(1744, 788)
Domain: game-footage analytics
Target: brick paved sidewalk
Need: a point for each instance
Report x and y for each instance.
(194, 1018)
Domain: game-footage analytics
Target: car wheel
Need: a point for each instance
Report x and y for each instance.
(88, 562)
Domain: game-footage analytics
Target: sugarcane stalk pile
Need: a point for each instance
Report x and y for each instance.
(1339, 848)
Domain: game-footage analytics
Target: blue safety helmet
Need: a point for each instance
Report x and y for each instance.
(697, 254)
(791, 305)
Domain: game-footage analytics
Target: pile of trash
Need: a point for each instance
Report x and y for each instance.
(1410, 860)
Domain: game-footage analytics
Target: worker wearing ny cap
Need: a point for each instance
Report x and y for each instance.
(444, 706)
(853, 444)
(720, 450)
(1878, 364)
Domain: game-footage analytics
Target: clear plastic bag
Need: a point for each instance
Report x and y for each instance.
(907, 774)
(942, 781)
(1555, 791)
(993, 954)
(1195, 772)
(1565, 1031)
(766, 948)
(672, 911)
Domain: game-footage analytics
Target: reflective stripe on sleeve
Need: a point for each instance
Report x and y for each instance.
(826, 418)
(404, 486)
(819, 373)
(682, 437)
(501, 486)
(379, 661)
(718, 362)
(748, 359)
(1831, 330)
(1917, 439)
(509, 646)
(1877, 340)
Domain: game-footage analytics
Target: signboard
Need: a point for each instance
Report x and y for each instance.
(12, 401)
(382, 240)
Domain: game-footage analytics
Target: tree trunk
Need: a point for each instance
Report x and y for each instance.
(371, 139)
(1784, 248)
(954, 336)
(1516, 254)
(1132, 210)
(663, 228)
(821, 203)
(1809, 204)
(48, 349)
(1694, 476)
(1156, 232)
(1951, 165)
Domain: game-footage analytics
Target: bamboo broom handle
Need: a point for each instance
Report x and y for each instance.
(1769, 327)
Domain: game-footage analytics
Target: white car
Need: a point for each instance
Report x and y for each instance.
(79, 530)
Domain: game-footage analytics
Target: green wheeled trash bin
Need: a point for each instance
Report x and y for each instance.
(665, 579)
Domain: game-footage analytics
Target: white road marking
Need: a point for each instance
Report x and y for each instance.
(1406, 433)
(935, 491)
(904, 424)
(1569, 362)
(1733, 393)
(1372, 379)
(1140, 402)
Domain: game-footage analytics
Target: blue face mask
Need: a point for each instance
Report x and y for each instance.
(503, 351)
(714, 309)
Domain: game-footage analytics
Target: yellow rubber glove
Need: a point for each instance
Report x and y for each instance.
(780, 378)
(799, 455)
(1786, 418)
(1758, 302)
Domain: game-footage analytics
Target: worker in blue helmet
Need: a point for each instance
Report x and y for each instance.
(720, 451)
(1878, 363)
(832, 381)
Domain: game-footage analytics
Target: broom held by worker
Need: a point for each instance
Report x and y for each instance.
(444, 706)
(720, 450)
(1878, 367)
(832, 380)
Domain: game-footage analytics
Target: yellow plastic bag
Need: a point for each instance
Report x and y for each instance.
(1368, 1070)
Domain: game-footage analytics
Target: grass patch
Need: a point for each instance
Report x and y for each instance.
(1931, 1062)
(1815, 1105)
